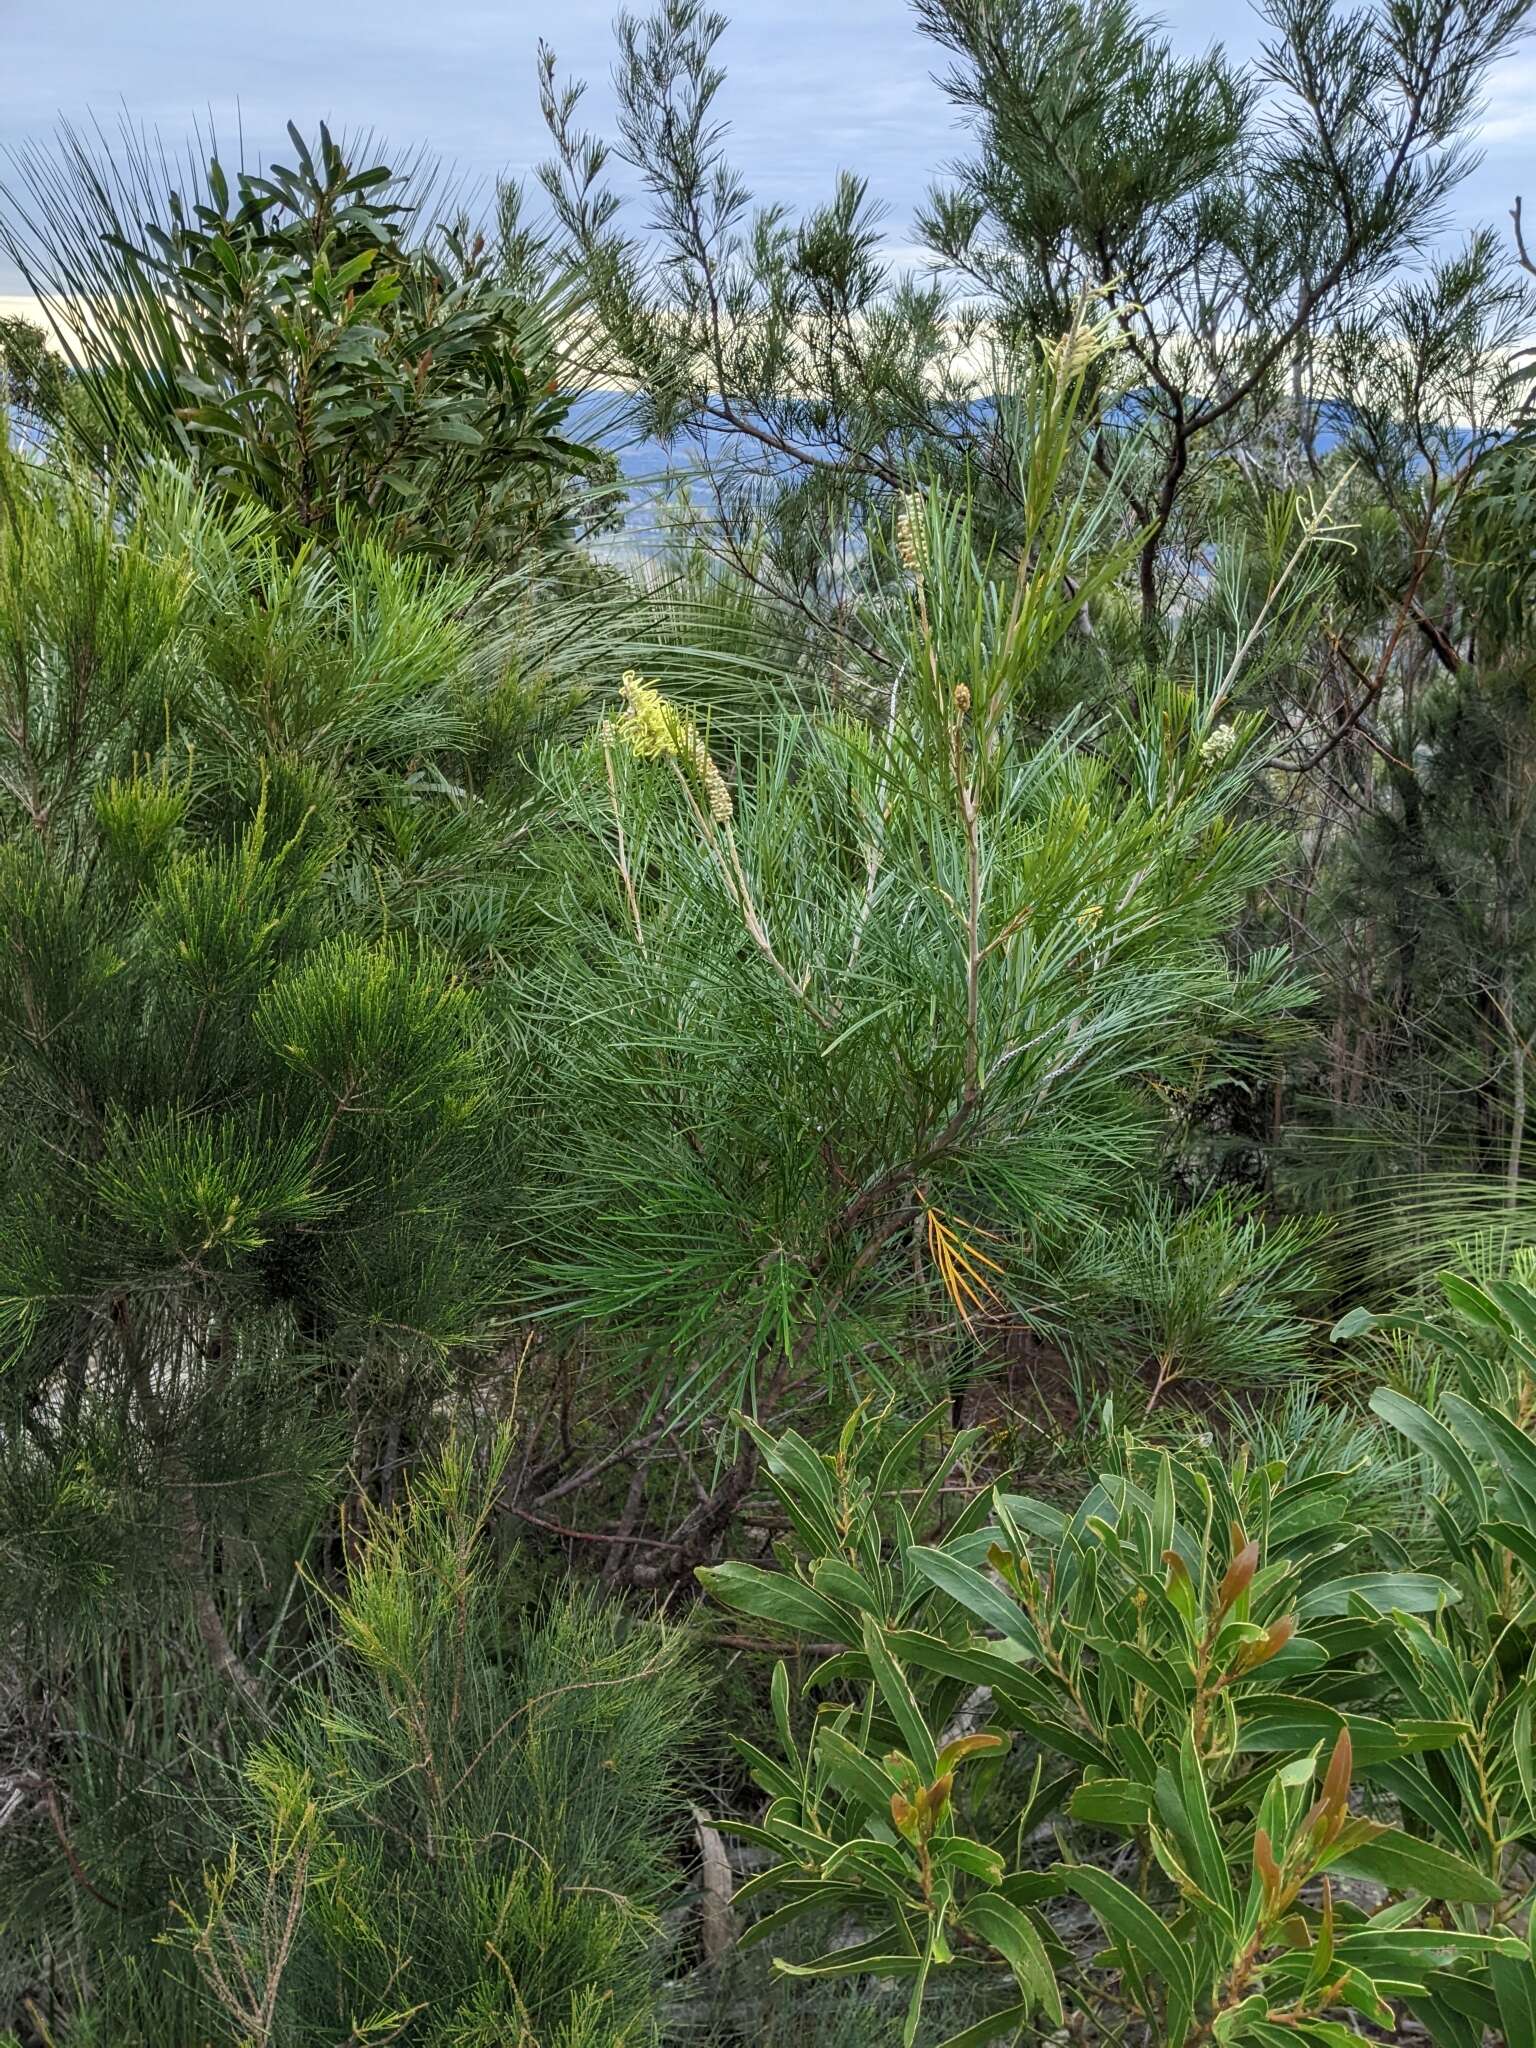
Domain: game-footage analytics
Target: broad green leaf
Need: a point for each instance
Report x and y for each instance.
(1514, 1986)
(1417, 1793)
(1179, 1865)
(793, 1460)
(1516, 1538)
(1355, 1324)
(1111, 1802)
(1135, 1927)
(1514, 1450)
(1009, 1931)
(1375, 1948)
(805, 1843)
(817, 1898)
(779, 1695)
(1473, 1302)
(1038, 1517)
(1408, 1864)
(1161, 1676)
(959, 1852)
(840, 1582)
(1519, 1305)
(775, 1877)
(774, 1597)
(958, 1449)
(1465, 1994)
(901, 1452)
(976, 1593)
(1413, 1592)
(1008, 2021)
(453, 431)
(879, 1865)
(772, 1776)
(1446, 2027)
(1360, 1320)
(1288, 1723)
(1210, 1858)
(1432, 1436)
(1525, 1743)
(856, 1772)
(1300, 1658)
(899, 1698)
(1232, 2025)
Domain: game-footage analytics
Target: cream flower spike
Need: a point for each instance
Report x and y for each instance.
(653, 729)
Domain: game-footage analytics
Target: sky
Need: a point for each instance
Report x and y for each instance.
(814, 86)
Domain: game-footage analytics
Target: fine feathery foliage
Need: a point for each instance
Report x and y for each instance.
(870, 1027)
(1233, 215)
(453, 1832)
(455, 1837)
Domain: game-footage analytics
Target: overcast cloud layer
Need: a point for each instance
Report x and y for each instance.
(815, 85)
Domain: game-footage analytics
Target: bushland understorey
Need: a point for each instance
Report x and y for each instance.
(765, 1266)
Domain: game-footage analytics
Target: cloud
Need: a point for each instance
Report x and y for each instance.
(812, 87)
(1510, 115)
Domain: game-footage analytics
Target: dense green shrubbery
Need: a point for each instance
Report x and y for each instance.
(259, 1204)
(999, 920)
(367, 994)
(874, 1034)
(373, 988)
(1211, 1663)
